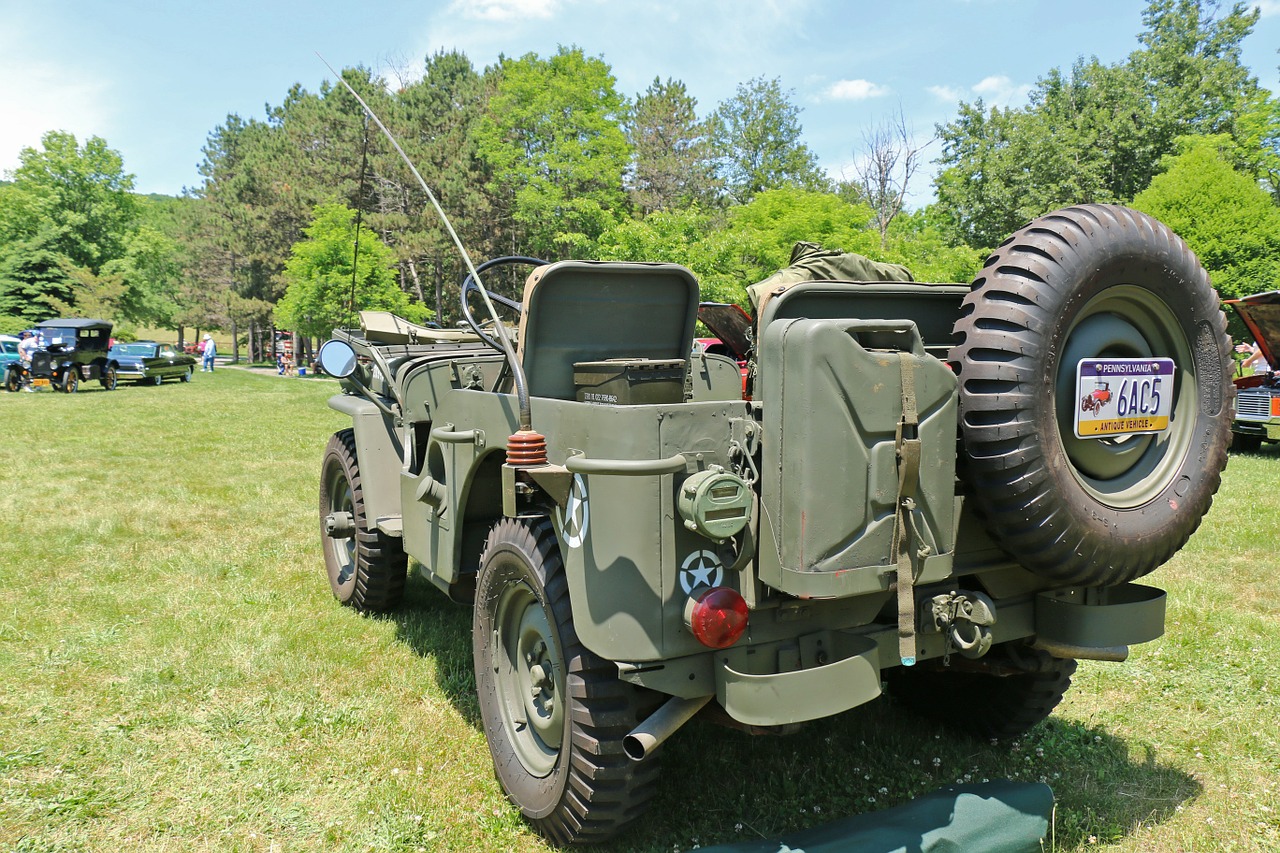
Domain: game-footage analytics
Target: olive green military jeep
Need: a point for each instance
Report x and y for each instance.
(942, 491)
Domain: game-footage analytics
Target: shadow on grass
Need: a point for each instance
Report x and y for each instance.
(719, 785)
(433, 626)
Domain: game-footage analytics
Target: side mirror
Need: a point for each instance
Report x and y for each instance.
(337, 358)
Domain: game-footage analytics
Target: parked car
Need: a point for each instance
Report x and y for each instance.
(8, 350)
(72, 350)
(151, 361)
(732, 326)
(1257, 415)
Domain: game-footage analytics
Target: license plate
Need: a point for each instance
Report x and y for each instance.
(1123, 396)
(40, 383)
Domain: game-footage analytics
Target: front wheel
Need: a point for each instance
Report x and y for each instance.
(157, 380)
(186, 374)
(555, 714)
(71, 381)
(366, 567)
(12, 381)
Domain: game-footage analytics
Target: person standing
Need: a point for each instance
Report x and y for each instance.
(1257, 361)
(209, 351)
(28, 343)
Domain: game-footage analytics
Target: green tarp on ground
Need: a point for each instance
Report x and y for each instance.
(992, 817)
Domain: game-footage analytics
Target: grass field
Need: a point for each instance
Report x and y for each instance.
(174, 674)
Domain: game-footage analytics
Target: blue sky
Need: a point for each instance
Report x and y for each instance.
(154, 78)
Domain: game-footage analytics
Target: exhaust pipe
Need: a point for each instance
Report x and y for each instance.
(1114, 654)
(660, 725)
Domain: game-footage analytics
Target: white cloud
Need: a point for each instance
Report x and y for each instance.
(505, 10)
(856, 90)
(1267, 8)
(995, 91)
(49, 97)
(948, 93)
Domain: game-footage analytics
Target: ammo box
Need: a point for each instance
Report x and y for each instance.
(630, 381)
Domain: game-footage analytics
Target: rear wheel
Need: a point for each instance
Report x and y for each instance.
(1090, 282)
(366, 567)
(186, 374)
(109, 379)
(554, 713)
(1019, 688)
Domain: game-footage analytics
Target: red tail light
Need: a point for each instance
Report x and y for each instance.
(719, 617)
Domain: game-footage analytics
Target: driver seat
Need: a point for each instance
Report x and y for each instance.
(584, 311)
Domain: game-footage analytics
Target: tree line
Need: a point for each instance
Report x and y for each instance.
(545, 157)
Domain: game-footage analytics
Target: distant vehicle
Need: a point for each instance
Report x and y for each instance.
(72, 350)
(1257, 405)
(153, 362)
(8, 349)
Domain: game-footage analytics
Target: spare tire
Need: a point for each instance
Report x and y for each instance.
(1090, 282)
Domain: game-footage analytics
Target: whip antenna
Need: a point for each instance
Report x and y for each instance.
(517, 372)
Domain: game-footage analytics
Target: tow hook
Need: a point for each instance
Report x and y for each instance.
(965, 618)
(339, 525)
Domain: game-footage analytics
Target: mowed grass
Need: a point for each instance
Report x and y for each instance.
(174, 674)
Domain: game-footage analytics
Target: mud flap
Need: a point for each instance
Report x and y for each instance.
(992, 817)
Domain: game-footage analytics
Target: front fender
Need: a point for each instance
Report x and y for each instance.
(379, 453)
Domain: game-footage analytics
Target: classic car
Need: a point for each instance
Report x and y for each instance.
(8, 349)
(71, 351)
(152, 361)
(1257, 415)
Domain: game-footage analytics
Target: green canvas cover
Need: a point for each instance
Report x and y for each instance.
(811, 262)
(991, 817)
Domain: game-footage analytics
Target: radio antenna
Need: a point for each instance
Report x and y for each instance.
(517, 372)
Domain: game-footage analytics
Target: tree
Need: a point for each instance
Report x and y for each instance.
(755, 138)
(1097, 134)
(553, 140)
(670, 165)
(320, 277)
(1225, 217)
(686, 236)
(434, 119)
(34, 278)
(777, 219)
(891, 159)
(82, 190)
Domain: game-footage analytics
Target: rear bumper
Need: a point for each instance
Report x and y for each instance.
(827, 672)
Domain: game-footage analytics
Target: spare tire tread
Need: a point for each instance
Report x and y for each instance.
(1015, 325)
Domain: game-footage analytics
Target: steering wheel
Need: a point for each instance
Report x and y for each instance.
(469, 283)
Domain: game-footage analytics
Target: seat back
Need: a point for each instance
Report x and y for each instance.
(581, 311)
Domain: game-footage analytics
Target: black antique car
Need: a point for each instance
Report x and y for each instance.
(151, 361)
(70, 351)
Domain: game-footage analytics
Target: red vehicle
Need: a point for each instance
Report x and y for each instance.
(732, 326)
(1093, 403)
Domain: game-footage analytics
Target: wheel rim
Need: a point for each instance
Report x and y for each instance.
(344, 549)
(110, 384)
(529, 677)
(1126, 321)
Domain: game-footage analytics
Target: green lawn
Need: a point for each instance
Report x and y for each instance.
(175, 675)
